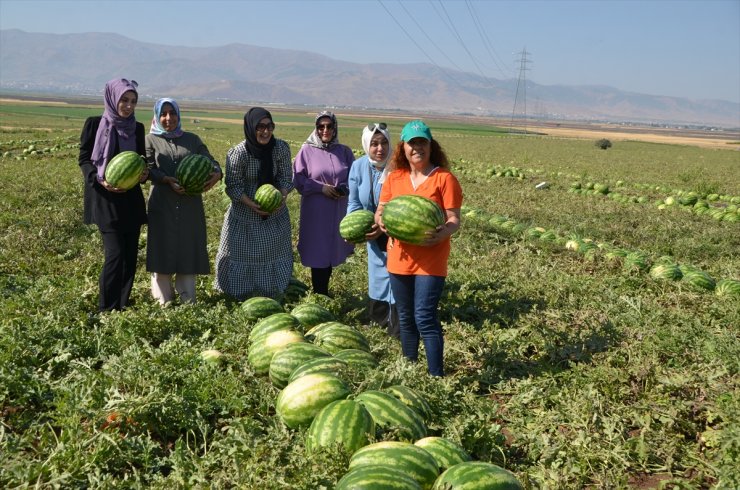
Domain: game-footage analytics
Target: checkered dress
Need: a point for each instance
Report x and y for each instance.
(255, 255)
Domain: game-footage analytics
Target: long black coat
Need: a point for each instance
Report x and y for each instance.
(111, 211)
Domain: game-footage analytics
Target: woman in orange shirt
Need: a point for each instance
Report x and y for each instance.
(417, 272)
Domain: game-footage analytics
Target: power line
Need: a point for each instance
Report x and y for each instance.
(484, 37)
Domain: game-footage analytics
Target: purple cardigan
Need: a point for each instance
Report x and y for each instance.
(319, 243)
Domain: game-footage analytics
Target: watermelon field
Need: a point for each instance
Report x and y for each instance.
(591, 318)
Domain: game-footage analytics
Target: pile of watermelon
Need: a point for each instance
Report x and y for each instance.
(305, 353)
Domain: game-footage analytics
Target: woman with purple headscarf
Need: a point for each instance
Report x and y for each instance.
(118, 214)
(320, 175)
(176, 241)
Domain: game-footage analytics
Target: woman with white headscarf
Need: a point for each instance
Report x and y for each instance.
(365, 181)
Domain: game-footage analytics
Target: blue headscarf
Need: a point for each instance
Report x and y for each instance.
(157, 128)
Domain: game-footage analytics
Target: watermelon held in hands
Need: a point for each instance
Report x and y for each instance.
(356, 225)
(192, 173)
(268, 197)
(408, 218)
(124, 170)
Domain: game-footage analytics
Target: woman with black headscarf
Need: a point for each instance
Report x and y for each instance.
(255, 255)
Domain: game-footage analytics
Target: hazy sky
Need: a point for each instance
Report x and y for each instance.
(663, 47)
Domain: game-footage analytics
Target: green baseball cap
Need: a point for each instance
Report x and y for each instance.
(416, 129)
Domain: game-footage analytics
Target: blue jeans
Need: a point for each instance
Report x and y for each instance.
(417, 299)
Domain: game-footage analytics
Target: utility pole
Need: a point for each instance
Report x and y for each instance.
(521, 85)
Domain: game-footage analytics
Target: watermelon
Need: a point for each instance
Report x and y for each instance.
(301, 400)
(287, 359)
(377, 477)
(666, 272)
(412, 460)
(412, 399)
(124, 170)
(341, 337)
(356, 225)
(314, 331)
(699, 279)
(358, 358)
(260, 307)
(343, 422)
(389, 413)
(477, 475)
(310, 314)
(636, 261)
(445, 452)
(268, 197)
(727, 287)
(329, 364)
(261, 351)
(212, 357)
(192, 173)
(409, 218)
(273, 323)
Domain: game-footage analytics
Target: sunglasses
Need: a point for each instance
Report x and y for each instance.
(265, 127)
(321, 127)
(374, 126)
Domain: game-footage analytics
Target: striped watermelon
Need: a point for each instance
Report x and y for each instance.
(293, 355)
(412, 460)
(377, 477)
(390, 414)
(124, 170)
(343, 422)
(330, 365)
(192, 173)
(268, 198)
(358, 358)
(699, 279)
(409, 218)
(301, 400)
(260, 307)
(310, 314)
(666, 272)
(445, 452)
(314, 331)
(273, 323)
(356, 225)
(340, 337)
(636, 261)
(261, 351)
(412, 399)
(728, 287)
(477, 475)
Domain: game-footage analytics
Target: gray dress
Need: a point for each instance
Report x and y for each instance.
(255, 255)
(176, 238)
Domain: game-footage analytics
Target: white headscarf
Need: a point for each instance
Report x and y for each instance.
(367, 136)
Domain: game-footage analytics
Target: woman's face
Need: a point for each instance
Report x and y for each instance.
(127, 103)
(378, 147)
(264, 130)
(168, 117)
(418, 151)
(325, 129)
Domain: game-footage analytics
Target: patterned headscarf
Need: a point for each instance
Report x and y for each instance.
(367, 136)
(124, 127)
(262, 152)
(157, 128)
(314, 139)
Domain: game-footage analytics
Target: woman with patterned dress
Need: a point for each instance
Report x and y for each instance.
(320, 176)
(255, 255)
(176, 242)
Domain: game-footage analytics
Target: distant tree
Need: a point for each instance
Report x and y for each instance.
(604, 143)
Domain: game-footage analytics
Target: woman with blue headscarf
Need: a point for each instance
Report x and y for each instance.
(176, 241)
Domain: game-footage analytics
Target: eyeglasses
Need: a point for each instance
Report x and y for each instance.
(261, 128)
(324, 127)
(374, 126)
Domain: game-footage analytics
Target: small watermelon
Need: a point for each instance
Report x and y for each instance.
(356, 225)
(268, 197)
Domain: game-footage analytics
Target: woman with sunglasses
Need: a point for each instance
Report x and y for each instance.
(117, 213)
(320, 175)
(176, 242)
(255, 255)
(366, 178)
(417, 272)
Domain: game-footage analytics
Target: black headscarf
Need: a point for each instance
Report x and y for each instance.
(262, 152)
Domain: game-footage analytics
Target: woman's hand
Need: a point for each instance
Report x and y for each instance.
(213, 179)
(379, 218)
(330, 191)
(174, 185)
(446, 230)
(110, 188)
(375, 233)
(144, 175)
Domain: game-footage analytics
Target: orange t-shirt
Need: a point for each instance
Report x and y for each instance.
(443, 188)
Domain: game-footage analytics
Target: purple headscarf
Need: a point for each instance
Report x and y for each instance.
(125, 127)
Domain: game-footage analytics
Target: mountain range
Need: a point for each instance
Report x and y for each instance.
(80, 64)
